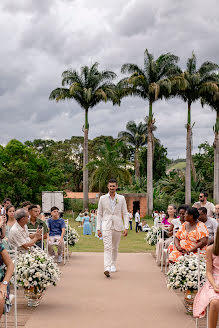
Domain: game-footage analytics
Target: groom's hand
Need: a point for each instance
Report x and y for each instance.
(125, 233)
(99, 233)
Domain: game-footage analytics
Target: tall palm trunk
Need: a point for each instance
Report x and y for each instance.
(216, 161)
(150, 163)
(137, 165)
(188, 157)
(85, 161)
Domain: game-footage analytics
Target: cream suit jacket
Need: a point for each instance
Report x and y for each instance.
(112, 218)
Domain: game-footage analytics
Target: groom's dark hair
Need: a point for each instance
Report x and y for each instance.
(112, 181)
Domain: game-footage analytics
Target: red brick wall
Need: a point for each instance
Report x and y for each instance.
(143, 203)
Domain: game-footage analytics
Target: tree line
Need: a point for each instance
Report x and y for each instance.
(27, 169)
(160, 78)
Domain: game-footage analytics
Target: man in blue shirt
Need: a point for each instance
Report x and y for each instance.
(56, 227)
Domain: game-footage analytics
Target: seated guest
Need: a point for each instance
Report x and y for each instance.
(35, 223)
(177, 223)
(56, 227)
(26, 205)
(209, 293)
(192, 235)
(86, 224)
(2, 226)
(216, 215)
(10, 221)
(210, 223)
(145, 226)
(41, 215)
(6, 272)
(166, 238)
(6, 203)
(19, 236)
(203, 202)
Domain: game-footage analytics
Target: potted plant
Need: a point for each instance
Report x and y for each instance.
(35, 272)
(183, 275)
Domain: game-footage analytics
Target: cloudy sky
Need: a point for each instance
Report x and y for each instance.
(42, 38)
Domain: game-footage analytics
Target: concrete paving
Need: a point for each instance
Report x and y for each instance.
(135, 296)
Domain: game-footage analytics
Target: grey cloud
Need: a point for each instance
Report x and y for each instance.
(138, 17)
(41, 40)
(28, 6)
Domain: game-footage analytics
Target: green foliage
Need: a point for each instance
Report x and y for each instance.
(88, 87)
(204, 165)
(160, 161)
(109, 164)
(24, 173)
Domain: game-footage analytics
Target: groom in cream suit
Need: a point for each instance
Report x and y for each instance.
(113, 215)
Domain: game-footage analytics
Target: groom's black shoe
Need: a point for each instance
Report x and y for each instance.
(107, 274)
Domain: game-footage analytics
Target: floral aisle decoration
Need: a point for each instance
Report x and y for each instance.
(152, 236)
(73, 236)
(35, 272)
(183, 275)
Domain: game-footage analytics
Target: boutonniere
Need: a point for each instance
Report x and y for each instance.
(117, 200)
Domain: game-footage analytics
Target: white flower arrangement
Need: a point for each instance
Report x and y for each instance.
(153, 235)
(36, 269)
(73, 236)
(183, 274)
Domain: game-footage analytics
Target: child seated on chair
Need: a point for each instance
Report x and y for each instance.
(56, 227)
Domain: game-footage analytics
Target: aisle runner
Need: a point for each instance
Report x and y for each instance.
(135, 296)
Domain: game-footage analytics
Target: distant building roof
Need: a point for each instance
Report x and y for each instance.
(79, 195)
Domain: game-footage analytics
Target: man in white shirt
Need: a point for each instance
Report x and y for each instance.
(203, 202)
(19, 236)
(210, 223)
(112, 211)
(137, 220)
(130, 219)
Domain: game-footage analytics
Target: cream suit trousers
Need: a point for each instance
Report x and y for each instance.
(111, 239)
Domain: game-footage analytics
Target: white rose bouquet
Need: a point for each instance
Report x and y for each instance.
(183, 274)
(73, 236)
(36, 269)
(153, 235)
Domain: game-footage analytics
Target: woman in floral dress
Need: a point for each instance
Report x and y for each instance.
(6, 272)
(192, 235)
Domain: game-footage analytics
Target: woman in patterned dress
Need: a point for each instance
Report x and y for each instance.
(6, 272)
(192, 235)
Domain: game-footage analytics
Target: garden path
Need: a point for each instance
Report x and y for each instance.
(135, 296)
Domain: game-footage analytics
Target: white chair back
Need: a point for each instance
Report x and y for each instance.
(66, 250)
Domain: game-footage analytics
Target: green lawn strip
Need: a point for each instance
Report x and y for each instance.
(133, 243)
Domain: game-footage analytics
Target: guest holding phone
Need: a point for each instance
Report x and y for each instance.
(35, 222)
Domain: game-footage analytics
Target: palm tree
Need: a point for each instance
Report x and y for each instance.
(213, 102)
(198, 82)
(150, 83)
(88, 88)
(109, 164)
(136, 135)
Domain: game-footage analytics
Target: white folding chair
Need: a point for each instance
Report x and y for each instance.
(66, 250)
(166, 252)
(32, 231)
(164, 228)
(13, 255)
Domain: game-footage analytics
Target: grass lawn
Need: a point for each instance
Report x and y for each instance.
(133, 243)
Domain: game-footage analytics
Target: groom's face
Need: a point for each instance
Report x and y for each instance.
(112, 186)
